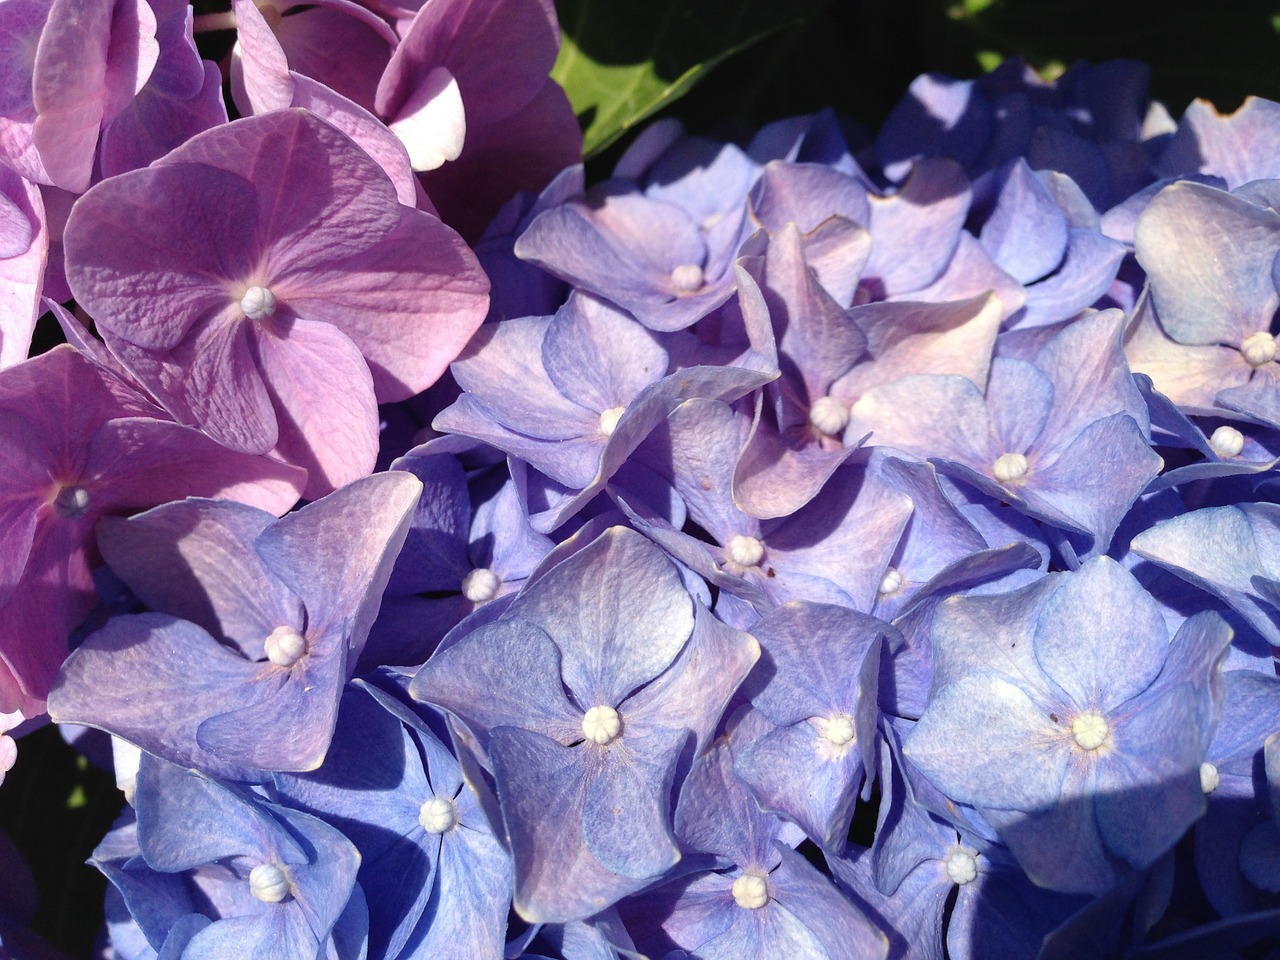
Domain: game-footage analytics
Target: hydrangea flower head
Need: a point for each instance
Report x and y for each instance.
(256, 625)
(588, 695)
(268, 259)
(211, 871)
(1066, 715)
(1210, 343)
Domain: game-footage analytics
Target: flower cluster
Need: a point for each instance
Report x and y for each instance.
(806, 548)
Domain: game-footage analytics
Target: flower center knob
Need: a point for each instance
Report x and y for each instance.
(828, 415)
(601, 725)
(71, 503)
(1208, 777)
(751, 891)
(962, 865)
(1227, 441)
(438, 815)
(609, 420)
(480, 585)
(745, 551)
(839, 729)
(268, 883)
(1009, 466)
(285, 646)
(258, 303)
(891, 582)
(1258, 348)
(687, 278)
(1090, 730)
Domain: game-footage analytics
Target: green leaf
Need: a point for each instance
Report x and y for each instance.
(622, 60)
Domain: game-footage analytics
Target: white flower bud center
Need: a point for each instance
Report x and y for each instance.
(71, 503)
(609, 420)
(481, 585)
(687, 278)
(751, 891)
(1208, 777)
(829, 415)
(268, 883)
(438, 815)
(285, 646)
(745, 551)
(1258, 348)
(1009, 466)
(891, 582)
(839, 729)
(258, 303)
(962, 865)
(1227, 441)
(1090, 730)
(601, 725)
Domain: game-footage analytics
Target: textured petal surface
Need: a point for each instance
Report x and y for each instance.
(1112, 653)
(332, 434)
(409, 302)
(1017, 761)
(617, 610)
(1208, 288)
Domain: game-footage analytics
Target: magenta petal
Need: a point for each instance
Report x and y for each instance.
(20, 24)
(69, 87)
(341, 45)
(362, 127)
(22, 273)
(16, 228)
(131, 55)
(333, 433)
(64, 398)
(25, 484)
(138, 462)
(260, 79)
(154, 123)
(319, 196)
(409, 303)
(142, 277)
(54, 595)
(524, 151)
(500, 52)
(211, 380)
(18, 528)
